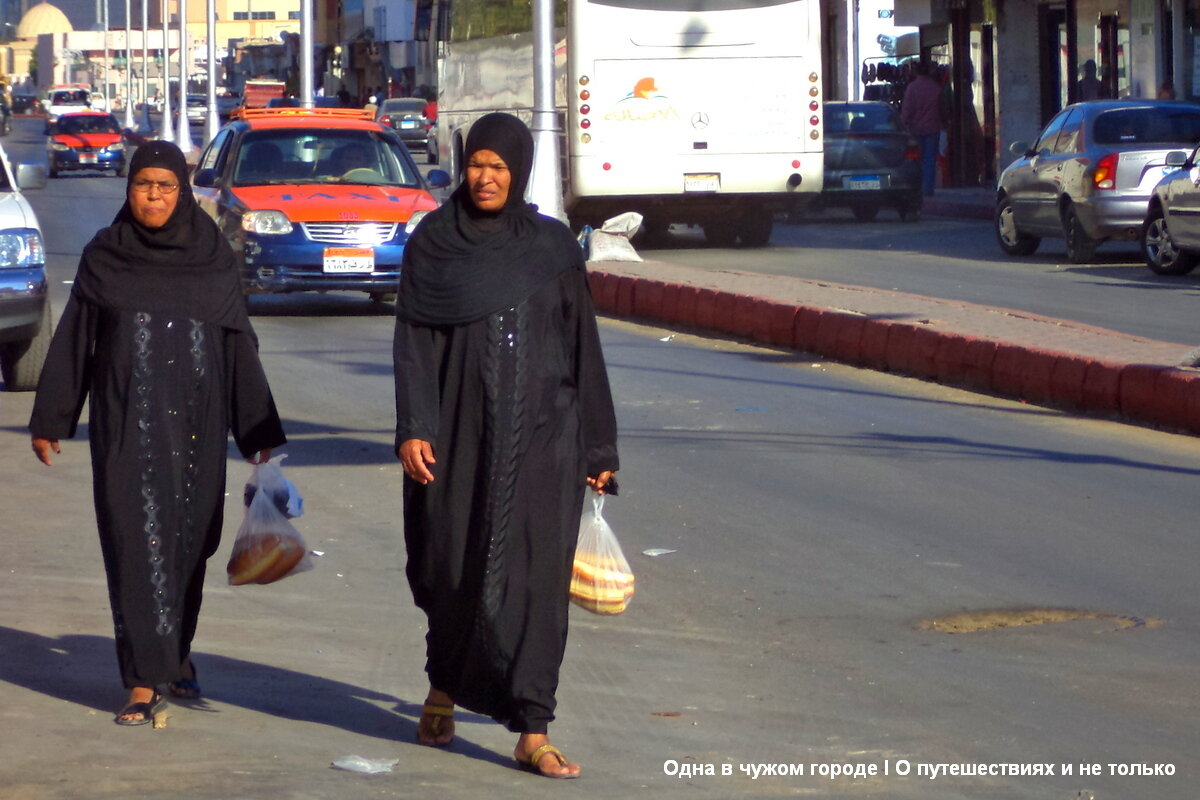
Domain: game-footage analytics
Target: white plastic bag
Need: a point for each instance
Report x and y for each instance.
(601, 580)
(610, 242)
(282, 491)
(268, 547)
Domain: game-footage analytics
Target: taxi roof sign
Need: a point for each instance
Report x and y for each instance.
(295, 111)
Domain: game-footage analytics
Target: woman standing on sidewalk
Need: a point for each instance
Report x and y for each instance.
(156, 332)
(503, 418)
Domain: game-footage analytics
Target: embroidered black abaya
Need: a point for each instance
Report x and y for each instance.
(156, 333)
(498, 365)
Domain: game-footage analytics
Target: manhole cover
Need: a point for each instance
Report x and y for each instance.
(993, 619)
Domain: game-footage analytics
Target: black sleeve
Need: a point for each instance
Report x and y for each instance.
(252, 416)
(66, 376)
(416, 374)
(591, 377)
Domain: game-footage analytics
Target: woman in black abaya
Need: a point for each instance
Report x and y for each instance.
(504, 417)
(156, 332)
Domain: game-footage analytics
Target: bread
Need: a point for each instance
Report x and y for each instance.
(600, 585)
(263, 558)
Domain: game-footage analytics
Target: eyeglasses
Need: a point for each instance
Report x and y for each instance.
(163, 187)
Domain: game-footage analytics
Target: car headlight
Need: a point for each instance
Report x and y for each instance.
(59, 146)
(416, 217)
(115, 147)
(273, 223)
(21, 247)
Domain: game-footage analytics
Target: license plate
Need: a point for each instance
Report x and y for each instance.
(864, 182)
(408, 123)
(349, 259)
(87, 158)
(702, 182)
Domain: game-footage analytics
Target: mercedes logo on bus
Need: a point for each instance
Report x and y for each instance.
(699, 120)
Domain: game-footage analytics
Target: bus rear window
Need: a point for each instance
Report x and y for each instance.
(691, 6)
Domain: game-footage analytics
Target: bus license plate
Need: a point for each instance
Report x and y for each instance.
(349, 259)
(864, 182)
(702, 182)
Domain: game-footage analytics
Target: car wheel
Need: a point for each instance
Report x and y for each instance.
(21, 362)
(1080, 247)
(721, 234)
(865, 212)
(1012, 241)
(1162, 255)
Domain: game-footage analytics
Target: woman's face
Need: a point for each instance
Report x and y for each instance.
(488, 179)
(153, 195)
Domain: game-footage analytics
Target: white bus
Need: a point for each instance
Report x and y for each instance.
(702, 112)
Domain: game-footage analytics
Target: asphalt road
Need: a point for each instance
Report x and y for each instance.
(817, 517)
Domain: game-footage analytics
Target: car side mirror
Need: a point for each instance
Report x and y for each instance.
(205, 177)
(1176, 158)
(1019, 148)
(31, 176)
(438, 178)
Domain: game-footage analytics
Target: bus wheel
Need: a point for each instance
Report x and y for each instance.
(756, 228)
(721, 234)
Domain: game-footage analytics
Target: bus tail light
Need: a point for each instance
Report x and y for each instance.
(1105, 176)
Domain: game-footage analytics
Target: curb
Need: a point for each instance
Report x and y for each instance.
(1149, 394)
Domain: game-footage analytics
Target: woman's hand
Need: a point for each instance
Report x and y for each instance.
(414, 455)
(598, 482)
(261, 457)
(42, 448)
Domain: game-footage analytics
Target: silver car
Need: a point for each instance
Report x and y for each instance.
(1089, 176)
(1170, 236)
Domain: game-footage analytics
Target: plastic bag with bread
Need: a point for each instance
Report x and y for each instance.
(268, 547)
(601, 580)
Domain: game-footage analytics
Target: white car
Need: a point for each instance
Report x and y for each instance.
(67, 99)
(25, 323)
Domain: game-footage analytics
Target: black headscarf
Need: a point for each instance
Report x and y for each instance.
(463, 264)
(184, 267)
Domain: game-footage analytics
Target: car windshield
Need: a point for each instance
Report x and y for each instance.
(88, 124)
(323, 156)
(75, 98)
(1164, 125)
(861, 119)
(397, 106)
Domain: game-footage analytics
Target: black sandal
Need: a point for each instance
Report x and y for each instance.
(154, 710)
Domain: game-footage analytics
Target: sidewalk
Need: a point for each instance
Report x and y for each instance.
(1068, 365)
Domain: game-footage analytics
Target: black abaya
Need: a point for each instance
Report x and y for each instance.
(518, 409)
(165, 391)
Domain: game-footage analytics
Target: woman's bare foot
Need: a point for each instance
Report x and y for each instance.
(550, 763)
(436, 726)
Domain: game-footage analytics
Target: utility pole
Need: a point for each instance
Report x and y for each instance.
(305, 55)
(183, 134)
(107, 63)
(212, 122)
(146, 126)
(128, 71)
(545, 184)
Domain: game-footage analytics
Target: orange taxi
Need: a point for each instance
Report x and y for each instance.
(313, 199)
(85, 140)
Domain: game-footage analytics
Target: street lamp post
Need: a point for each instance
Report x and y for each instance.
(146, 127)
(166, 132)
(128, 72)
(545, 184)
(104, 33)
(183, 134)
(212, 122)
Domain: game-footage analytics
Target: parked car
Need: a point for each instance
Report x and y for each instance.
(197, 108)
(85, 140)
(1089, 176)
(25, 322)
(871, 161)
(407, 116)
(314, 199)
(1170, 234)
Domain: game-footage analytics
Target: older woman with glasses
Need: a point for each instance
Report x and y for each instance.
(156, 332)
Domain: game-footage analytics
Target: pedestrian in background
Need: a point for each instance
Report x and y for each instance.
(156, 333)
(504, 417)
(922, 114)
